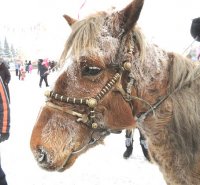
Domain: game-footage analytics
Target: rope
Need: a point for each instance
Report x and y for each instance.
(190, 45)
(83, 4)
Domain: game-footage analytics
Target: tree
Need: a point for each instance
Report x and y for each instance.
(13, 51)
(7, 52)
(1, 51)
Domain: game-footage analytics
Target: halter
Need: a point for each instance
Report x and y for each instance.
(92, 103)
(87, 119)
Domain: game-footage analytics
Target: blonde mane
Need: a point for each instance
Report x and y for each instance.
(84, 36)
(185, 83)
(183, 77)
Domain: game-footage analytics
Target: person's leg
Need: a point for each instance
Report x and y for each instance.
(144, 146)
(41, 79)
(129, 144)
(46, 81)
(2, 177)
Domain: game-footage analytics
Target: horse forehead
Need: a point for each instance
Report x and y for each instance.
(108, 43)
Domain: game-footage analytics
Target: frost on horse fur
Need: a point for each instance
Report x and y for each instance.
(116, 80)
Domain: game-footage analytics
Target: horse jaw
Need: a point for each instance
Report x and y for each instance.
(56, 143)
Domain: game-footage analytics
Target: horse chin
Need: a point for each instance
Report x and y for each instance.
(70, 160)
(68, 163)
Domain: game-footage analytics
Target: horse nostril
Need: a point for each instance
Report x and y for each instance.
(42, 156)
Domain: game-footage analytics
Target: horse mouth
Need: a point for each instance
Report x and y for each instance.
(71, 158)
(68, 162)
(47, 160)
(59, 166)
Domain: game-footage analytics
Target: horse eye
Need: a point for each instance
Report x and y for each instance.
(90, 71)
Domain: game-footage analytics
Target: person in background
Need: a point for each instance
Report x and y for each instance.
(5, 75)
(129, 144)
(195, 32)
(43, 71)
(195, 29)
(22, 72)
(30, 67)
(4, 123)
(26, 66)
(17, 67)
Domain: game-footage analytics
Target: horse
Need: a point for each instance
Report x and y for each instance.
(113, 79)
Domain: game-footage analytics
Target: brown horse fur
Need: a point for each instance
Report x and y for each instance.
(172, 130)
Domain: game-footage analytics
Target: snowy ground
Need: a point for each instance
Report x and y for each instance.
(102, 165)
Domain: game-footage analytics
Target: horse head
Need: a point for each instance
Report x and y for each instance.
(112, 79)
(90, 98)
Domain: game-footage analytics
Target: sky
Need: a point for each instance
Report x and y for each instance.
(166, 23)
(102, 165)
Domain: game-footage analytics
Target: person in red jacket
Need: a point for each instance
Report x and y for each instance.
(4, 123)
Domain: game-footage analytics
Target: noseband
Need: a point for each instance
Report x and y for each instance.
(92, 103)
(87, 119)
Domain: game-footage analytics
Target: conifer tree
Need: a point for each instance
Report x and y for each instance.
(1, 51)
(14, 53)
(7, 52)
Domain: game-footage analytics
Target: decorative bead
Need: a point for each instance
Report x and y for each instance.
(92, 102)
(47, 93)
(127, 66)
(94, 125)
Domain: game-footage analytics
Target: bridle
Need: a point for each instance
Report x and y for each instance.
(93, 102)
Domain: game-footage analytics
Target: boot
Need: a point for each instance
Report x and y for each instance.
(144, 146)
(128, 152)
(129, 145)
(145, 149)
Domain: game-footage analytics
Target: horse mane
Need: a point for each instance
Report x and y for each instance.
(183, 79)
(184, 83)
(85, 34)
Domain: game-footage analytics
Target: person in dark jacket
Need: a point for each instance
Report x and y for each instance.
(5, 75)
(195, 29)
(43, 71)
(4, 123)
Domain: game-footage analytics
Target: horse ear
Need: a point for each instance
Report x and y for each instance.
(69, 19)
(130, 14)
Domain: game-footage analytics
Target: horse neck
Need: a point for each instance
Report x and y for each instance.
(151, 73)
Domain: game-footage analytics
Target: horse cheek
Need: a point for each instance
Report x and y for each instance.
(123, 117)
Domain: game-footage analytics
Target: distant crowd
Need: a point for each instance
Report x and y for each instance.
(21, 68)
